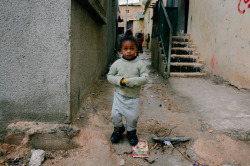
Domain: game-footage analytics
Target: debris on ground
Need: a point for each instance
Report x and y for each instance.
(174, 140)
(2, 162)
(141, 149)
(122, 162)
(147, 160)
(210, 131)
(1, 153)
(37, 157)
(12, 162)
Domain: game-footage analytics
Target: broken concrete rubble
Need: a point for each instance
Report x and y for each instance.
(42, 135)
(37, 157)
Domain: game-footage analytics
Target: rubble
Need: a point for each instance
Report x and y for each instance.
(37, 157)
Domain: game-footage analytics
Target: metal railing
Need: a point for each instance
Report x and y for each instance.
(164, 30)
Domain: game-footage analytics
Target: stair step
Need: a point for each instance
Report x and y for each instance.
(180, 37)
(184, 56)
(181, 74)
(185, 64)
(200, 61)
(183, 49)
(175, 42)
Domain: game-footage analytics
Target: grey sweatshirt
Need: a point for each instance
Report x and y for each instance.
(133, 71)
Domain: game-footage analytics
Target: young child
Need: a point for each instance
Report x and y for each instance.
(127, 74)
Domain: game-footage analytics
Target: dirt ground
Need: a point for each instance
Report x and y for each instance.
(164, 113)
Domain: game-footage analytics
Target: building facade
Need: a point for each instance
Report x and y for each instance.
(52, 52)
(220, 30)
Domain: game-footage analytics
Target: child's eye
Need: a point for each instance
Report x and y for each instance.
(131, 48)
(126, 49)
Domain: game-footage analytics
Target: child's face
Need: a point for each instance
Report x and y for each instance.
(128, 49)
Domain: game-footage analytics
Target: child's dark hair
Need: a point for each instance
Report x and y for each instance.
(129, 38)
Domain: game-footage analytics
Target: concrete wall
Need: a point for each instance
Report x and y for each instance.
(222, 36)
(133, 9)
(52, 52)
(155, 53)
(34, 60)
(138, 26)
(148, 24)
(92, 47)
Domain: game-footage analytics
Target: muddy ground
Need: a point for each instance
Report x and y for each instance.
(164, 113)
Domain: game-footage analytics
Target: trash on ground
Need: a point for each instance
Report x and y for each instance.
(147, 160)
(12, 162)
(2, 162)
(17, 161)
(172, 139)
(210, 131)
(168, 143)
(122, 162)
(141, 149)
(152, 148)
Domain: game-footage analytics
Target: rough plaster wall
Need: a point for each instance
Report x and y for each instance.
(92, 48)
(148, 24)
(132, 11)
(109, 32)
(222, 37)
(138, 26)
(34, 60)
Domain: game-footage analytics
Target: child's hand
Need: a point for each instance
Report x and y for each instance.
(123, 82)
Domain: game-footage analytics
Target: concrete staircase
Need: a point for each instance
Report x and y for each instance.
(184, 58)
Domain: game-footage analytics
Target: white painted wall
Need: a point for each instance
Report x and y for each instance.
(222, 36)
(148, 24)
(137, 26)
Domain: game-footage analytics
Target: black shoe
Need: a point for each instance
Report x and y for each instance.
(132, 138)
(117, 134)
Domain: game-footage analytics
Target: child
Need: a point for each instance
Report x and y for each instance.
(127, 74)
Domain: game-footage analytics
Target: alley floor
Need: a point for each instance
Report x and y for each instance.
(215, 115)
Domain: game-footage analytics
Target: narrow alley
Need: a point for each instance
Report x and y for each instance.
(57, 82)
(170, 108)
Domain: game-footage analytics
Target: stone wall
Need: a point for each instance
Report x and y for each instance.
(220, 30)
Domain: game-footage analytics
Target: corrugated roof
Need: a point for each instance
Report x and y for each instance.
(130, 2)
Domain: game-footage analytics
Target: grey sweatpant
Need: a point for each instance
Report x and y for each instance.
(128, 107)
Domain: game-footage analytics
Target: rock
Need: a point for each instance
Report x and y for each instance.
(37, 157)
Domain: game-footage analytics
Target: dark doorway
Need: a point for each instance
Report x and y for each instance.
(186, 15)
